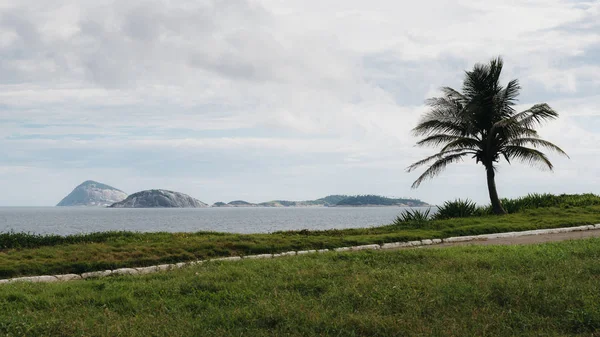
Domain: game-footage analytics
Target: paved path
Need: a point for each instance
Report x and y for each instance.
(525, 240)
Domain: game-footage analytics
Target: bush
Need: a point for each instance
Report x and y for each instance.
(483, 210)
(536, 200)
(465, 208)
(412, 216)
(12, 239)
(457, 209)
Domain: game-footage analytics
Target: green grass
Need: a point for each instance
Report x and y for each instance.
(549, 290)
(536, 200)
(459, 209)
(33, 255)
(412, 216)
(466, 208)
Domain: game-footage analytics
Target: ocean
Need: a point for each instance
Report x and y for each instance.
(76, 220)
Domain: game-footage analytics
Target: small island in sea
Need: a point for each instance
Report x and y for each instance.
(91, 193)
(159, 199)
(376, 200)
(332, 201)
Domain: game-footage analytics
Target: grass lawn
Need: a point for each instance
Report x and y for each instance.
(548, 289)
(22, 255)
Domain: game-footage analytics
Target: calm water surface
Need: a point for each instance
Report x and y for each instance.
(73, 220)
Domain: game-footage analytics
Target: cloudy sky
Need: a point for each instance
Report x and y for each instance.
(278, 99)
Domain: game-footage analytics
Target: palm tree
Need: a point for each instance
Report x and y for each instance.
(481, 122)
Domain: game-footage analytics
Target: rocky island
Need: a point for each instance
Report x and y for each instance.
(376, 200)
(92, 193)
(329, 200)
(332, 201)
(235, 203)
(159, 199)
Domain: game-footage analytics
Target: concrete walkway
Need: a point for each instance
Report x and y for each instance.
(529, 239)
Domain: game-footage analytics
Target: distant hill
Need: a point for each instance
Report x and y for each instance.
(330, 201)
(93, 193)
(235, 203)
(159, 199)
(376, 200)
(241, 203)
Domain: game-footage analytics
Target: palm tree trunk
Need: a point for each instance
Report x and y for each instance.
(496, 204)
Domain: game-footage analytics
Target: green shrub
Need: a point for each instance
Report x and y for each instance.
(31, 240)
(483, 210)
(456, 209)
(412, 216)
(536, 200)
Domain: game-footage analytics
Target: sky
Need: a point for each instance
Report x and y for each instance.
(279, 99)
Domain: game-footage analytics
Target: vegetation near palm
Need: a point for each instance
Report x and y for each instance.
(481, 122)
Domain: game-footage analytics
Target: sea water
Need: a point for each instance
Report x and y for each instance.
(74, 220)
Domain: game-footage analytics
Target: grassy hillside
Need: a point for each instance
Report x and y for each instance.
(24, 254)
(338, 200)
(369, 200)
(549, 290)
(332, 199)
(240, 203)
(326, 201)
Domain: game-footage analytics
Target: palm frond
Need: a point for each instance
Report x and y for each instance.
(537, 115)
(437, 167)
(508, 98)
(531, 117)
(495, 69)
(511, 92)
(464, 143)
(436, 156)
(434, 126)
(445, 108)
(442, 102)
(474, 83)
(517, 131)
(527, 155)
(537, 143)
(439, 139)
(483, 82)
(514, 127)
(453, 94)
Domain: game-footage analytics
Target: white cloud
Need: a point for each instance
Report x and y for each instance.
(345, 78)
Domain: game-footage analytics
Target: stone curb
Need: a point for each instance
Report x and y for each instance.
(260, 256)
(125, 271)
(231, 258)
(342, 249)
(68, 277)
(366, 247)
(390, 245)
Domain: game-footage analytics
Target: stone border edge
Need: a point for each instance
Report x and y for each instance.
(391, 245)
